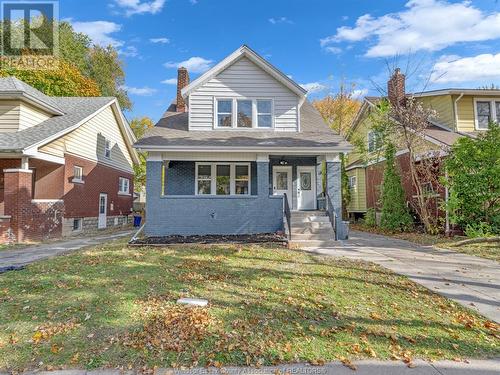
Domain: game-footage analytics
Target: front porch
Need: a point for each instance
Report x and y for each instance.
(222, 193)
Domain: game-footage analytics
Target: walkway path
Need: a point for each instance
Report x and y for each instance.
(26, 255)
(471, 281)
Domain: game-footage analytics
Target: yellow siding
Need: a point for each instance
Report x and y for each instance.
(30, 116)
(88, 141)
(465, 109)
(358, 194)
(443, 105)
(360, 134)
(9, 116)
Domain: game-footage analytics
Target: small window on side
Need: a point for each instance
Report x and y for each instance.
(352, 182)
(107, 148)
(77, 224)
(123, 185)
(77, 174)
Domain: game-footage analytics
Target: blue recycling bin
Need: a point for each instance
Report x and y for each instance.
(137, 221)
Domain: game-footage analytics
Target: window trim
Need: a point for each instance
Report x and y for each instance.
(494, 115)
(263, 113)
(355, 185)
(232, 178)
(234, 118)
(80, 226)
(107, 149)
(120, 191)
(75, 179)
(368, 142)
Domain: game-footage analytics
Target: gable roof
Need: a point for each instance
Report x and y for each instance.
(244, 51)
(11, 87)
(172, 133)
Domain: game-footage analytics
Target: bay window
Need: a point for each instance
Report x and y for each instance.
(247, 113)
(222, 179)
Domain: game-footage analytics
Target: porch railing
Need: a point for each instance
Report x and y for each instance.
(288, 215)
(332, 215)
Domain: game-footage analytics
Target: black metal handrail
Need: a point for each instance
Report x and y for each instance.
(332, 215)
(288, 215)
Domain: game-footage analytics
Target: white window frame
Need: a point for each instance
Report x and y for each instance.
(107, 148)
(494, 115)
(234, 118)
(232, 179)
(123, 191)
(353, 185)
(79, 179)
(368, 142)
(263, 113)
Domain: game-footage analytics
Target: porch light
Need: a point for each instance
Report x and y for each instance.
(283, 162)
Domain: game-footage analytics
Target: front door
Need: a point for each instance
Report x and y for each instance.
(282, 182)
(103, 210)
(306, 188)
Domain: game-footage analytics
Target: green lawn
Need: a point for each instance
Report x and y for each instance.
(115, 306)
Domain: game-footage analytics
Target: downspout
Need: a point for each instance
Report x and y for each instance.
(455, 104)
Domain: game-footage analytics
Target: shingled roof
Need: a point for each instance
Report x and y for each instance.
(172, 132)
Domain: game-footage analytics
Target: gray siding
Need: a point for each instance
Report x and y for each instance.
(198, 215)
(243, 79)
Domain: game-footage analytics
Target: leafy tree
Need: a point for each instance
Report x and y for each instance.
(339, 110)
(473, 168)
(139, 127)
(395, 215)
(66, 80)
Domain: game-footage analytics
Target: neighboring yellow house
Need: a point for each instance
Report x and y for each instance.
(460, 112)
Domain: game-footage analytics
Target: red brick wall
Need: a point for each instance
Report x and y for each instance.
(49, 179)
(82, 200)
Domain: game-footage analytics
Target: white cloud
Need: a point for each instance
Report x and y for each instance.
(160, 40)
(276, 20)
(170, 81)
(313, 87)
(334, 50)
(193, 64)
(139, 91)
(485, 68)
(100, 32)
(129, 51)
(132, 7)
(429, 25)
(360, 93)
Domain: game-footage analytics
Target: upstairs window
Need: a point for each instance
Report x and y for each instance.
(224, 113)
(123, 185)
(486, 111)
(77, 174)
(352, 182)
(264, 114)
(374, 141)
(107, 148)
(244, 113)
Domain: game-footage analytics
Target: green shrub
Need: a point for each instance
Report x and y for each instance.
(395, 215)
(478, 230)
(371, 218)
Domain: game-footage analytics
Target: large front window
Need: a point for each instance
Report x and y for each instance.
(222, 178)
(487, 111)
(247, 113)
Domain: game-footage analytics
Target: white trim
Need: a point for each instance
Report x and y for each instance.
(15, 170)
(234, 113)
(78, 180)
(30, 99)
(493, 111)
(251, 149)
(312, 169)
(457, 92)
(244, 51)
(264, 158)
(47, 201)
(332, 158)
(455, 108)
(289, 169)
(47, 157)
(232, 178)
(120, 191)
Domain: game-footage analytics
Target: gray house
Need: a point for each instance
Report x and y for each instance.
(239, 148)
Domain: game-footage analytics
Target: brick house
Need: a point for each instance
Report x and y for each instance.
(460, 113)
(240, 145)
(66, 164)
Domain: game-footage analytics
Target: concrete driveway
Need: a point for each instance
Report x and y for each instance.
(17, 258)
(471, 281)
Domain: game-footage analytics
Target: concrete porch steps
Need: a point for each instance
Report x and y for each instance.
(311, 228)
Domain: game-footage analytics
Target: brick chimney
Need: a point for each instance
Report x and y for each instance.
(396, 90)
(182, 81)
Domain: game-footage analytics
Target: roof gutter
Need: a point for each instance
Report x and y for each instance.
(455, 107)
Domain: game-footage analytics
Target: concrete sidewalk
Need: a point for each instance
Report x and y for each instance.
(27, 255)
(367, 367)
(471, 281)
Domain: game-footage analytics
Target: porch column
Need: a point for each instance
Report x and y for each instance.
(153, 193)
(17, 200)
(334, 191)
(319, 176)
(263, 175)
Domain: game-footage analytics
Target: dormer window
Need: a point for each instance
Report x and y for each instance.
(248, 113)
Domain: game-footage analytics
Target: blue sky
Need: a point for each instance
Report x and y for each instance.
(318, 43)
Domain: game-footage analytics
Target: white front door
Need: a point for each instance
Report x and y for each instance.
(282, 182)
(103, 210)
(306, 188)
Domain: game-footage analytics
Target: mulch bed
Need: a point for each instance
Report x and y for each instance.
(211, 239)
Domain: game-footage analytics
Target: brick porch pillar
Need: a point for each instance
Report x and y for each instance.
(17, 199)
(334, 190)
(263, 176)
